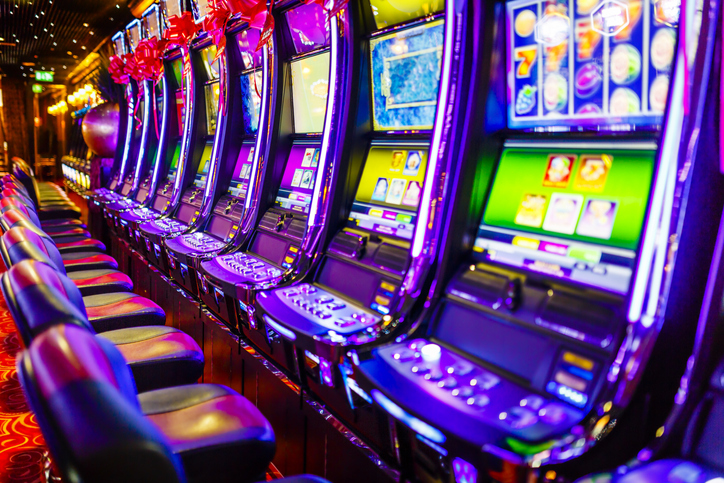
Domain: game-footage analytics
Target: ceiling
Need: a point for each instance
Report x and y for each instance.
(55, 35)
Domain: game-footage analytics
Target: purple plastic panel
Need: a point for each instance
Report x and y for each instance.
(247, 42)
(308, 27)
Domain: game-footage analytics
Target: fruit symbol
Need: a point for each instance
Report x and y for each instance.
(662, 49)
(658, 93)
(625, 64)
(624, 101)
(587, 39)
(555, 92)
(589, 108)
(588, 79)
(525, 23)
(525, 102)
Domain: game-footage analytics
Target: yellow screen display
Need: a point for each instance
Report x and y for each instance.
(310, 84)
(392, 12)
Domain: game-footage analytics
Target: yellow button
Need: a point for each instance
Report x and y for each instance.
(523, 242)
(382, 300)
(388, 286)
(377, 213)
(578, 361)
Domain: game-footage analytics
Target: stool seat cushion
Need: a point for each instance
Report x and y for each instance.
(216, 432)
(93, 282)
(159, 356)
(73, 244)
(88, 261)
(119, 310)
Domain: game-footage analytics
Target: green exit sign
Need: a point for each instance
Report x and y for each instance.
(43, 76)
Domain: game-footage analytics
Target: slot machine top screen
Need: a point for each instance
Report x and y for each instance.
(590, 64)
(392, 12)
(152, 23)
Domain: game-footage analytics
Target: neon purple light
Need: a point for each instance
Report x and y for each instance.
(161, 142)
(418, 239)
(331, 98)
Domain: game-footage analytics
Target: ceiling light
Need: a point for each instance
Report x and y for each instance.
(55, 43)
(75, 41)
(64, 67)
(2, 39)
(45, 30)
(92, 33)
(52, 24)
(118, 6)
(85, 25)
(70, 53)
(36, 37)
(83, 47)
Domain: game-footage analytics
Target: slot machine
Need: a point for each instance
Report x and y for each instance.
(151, 111)
(577, 245)
(125, 127)
(133, 133)
(156, 194)
(202, 74)
(379, 258)
(239, 145)
(281, 235)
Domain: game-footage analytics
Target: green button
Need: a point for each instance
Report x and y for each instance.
(403, 218)
(585, 254)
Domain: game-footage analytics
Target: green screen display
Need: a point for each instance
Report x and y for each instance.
(174, 162)
(392, 12)
(178, 68)
(310, 84)
(588, 196)
(572, 214)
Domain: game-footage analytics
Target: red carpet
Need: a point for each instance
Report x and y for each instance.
(22, 449)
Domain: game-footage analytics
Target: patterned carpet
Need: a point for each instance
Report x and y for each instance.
(22, 449)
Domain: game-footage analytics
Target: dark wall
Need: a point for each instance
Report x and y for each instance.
(14, 109)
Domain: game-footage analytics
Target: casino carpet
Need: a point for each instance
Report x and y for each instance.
(22, 449)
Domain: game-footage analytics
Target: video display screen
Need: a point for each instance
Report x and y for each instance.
(589, 63)
(180, 111)
(242, 171)
(177, 66)
(310, 85)
(211, 66)
(203, 171)
(247, 40)
(250, 89)
(173, 8)
(211, 94)
(201, 9)
(300, 172)
(118, 44)
(308, 27)
(174, 162)
(152, 24)
(392, 12)
(134, 34)
(388, 196)
(406, 67)
(573, 214)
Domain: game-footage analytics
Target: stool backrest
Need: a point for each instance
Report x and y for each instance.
(25, 242)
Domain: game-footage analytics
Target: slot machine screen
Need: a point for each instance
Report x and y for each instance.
(201, 9)
(174, 162)
(134, 35)
(579, 63)
(248, 40)
(308, 27)
(392, 12)
(118, 45)
(250, 87)
(406, 67)
(310, 84)
(177, 67)
(180, 111)
(210, 65)
(152, 24)
(242, 171)
(173, 8)
(212, 106)
(576, 214)
(203, 170)
(388, 196)
(295, 192)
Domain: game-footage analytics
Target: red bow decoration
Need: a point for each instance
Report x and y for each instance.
(215, 24)
(117, 69)
(333, 7)
(257, 15)
(132, 69)
(148, 57)
(180, 29)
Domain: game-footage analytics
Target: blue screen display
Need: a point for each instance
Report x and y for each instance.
(406, 68)
(250, 90)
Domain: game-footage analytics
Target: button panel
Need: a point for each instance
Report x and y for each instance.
(248, 266)
(323, 308)
(170, 225)
(202, 242)
(478, 392)
(145, 214)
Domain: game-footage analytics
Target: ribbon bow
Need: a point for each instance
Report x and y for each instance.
(215, 24)
(132, 69)
(117, 69)
(148, 57)
(257, 15)
(332, 7)
(181, 29)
